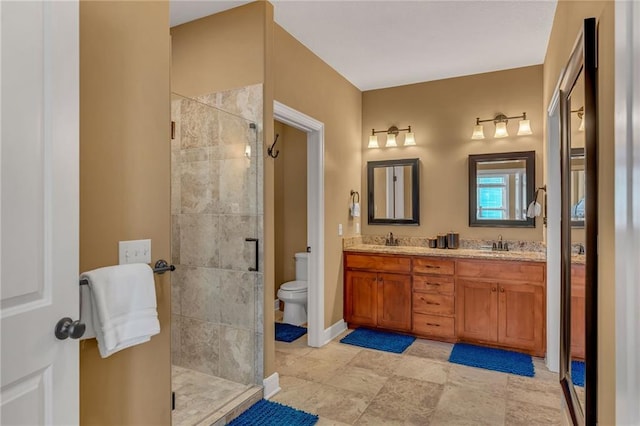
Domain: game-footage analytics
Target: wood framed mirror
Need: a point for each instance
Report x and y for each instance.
(577, 91)
(393, 192)
(501, 186)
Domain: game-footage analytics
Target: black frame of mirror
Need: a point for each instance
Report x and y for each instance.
(583, 59)
(577, 152)
(530, 159)
(415, 192)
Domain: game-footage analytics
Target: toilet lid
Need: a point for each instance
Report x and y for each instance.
(294, 285)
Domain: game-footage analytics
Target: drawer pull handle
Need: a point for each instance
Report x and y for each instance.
(432, 303)
(432, 267)
(433, 325)
(435, 284)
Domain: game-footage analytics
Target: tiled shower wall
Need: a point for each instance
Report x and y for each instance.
(216, 202)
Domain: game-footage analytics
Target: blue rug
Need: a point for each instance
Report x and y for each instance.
(288, 333)
(267, 413)
(577, 373)
(492, 359)
(380, 340)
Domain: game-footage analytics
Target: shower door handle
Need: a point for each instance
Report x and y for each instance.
(255, 240)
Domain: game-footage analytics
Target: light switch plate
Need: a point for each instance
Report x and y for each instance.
(134, 251)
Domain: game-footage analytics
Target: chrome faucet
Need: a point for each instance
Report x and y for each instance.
(390, 240)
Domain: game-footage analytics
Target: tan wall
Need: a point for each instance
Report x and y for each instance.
(124, 192)
(290, 201)
(567, 23)
(219, 52)
(442, 114)
(304, 82)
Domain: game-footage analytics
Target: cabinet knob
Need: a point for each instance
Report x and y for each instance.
(493, 289)
(501, 289)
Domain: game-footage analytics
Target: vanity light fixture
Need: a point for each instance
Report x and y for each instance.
(580, 113)
(501, 120)
(392, 132)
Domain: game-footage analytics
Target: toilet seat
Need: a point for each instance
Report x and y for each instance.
(294, 286)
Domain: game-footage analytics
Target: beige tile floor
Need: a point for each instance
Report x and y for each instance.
(199, 395)
(348, 385)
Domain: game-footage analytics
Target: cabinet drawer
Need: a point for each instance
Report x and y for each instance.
(429, 303)
(433, 283)
(378, 263)
(430, 265)
(433, 325)
(503, 270)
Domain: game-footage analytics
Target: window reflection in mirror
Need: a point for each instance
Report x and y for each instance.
(500, 189)
(577, 187)
(393, 192)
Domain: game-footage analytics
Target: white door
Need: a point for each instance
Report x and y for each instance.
(38, 211)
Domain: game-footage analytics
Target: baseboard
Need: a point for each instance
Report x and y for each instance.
(276, 304)
(271, 385)
(334, 331)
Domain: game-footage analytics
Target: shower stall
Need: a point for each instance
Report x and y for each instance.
(216, 243)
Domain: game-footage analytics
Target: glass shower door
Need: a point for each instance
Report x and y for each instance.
(216, 240)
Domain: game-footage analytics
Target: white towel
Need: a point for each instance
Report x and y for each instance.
(123, 306)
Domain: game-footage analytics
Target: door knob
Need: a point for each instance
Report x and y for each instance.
(66, 327)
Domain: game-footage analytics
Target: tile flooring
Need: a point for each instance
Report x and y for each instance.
(205, 399)
(348, 385)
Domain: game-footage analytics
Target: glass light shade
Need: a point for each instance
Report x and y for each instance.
(524, 128)
(409, 139)
(247, 151)
(501, 130)
(391, 140)
(373, 142)
(581, 128)
(478, 132)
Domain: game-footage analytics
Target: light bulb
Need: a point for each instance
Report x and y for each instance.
(373, 142)
(247, 151)
(524, 128)
(391, 140)
(478, 132)
(409, 139)
(501, 130)
(581, 128)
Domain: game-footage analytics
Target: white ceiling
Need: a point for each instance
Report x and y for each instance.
(386, 43)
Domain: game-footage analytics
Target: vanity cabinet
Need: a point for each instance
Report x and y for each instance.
(578, 334)
(490, 302)
(433, 307)
(377, 292)
(502, 303)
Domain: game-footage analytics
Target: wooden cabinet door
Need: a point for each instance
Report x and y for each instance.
(577, 312)
(394, 301)
(361, 298)
(477, 310)
(521, 316)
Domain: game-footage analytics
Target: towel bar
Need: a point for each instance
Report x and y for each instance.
(160, 267)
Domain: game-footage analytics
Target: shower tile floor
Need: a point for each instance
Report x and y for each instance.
(205, 399)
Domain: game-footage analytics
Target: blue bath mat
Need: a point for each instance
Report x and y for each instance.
(288, 333)
(577, 373)
(380, 340)
(268, 413)
(492, 359)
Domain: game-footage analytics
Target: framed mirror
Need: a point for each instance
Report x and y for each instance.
(394, 192)
(501, 186)
(577, 91)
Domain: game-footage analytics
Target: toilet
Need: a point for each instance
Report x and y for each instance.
(294, 293)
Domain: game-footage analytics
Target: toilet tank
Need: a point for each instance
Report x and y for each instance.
(301, 266)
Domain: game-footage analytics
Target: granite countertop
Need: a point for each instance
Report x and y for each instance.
(531, 256)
